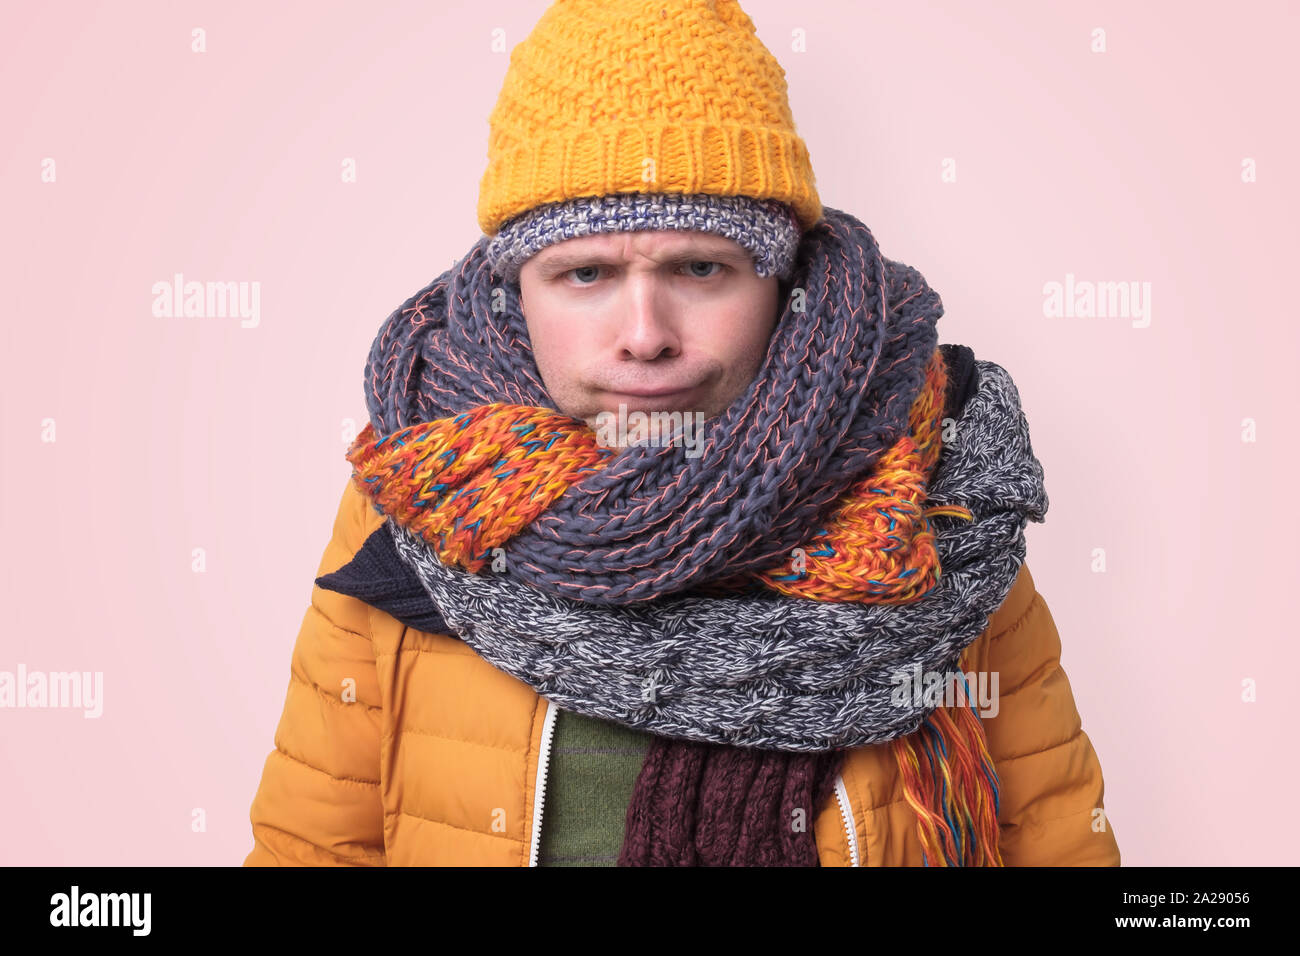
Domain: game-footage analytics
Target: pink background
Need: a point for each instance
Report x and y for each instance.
(183, 433)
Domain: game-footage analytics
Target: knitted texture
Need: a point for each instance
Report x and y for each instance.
(683, 809)
(767, 229)
(834, 393)
(765, 669)
(613, 96)
(469, 483)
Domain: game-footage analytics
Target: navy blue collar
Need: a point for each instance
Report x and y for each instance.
(378, 575)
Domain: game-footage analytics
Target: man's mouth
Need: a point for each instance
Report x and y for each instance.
(655, 397)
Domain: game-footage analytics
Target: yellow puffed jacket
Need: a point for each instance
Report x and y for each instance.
(399, 747)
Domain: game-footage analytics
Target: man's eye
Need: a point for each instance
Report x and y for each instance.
(703, 262)
(586, 275)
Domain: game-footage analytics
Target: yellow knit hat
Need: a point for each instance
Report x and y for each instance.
(663, 96)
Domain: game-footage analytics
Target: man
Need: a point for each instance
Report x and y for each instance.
(778, 614)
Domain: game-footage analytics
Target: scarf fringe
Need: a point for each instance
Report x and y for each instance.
(950, 782)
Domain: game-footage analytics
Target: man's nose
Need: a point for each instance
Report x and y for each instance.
(648, 324)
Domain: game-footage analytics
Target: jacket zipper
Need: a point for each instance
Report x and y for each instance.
(539, 790)
(846, 811)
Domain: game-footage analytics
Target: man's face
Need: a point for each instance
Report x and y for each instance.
(617, 314)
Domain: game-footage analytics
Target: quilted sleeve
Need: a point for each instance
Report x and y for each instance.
(319, 803)
(1050, 800)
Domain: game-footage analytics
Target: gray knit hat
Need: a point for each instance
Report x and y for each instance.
(767, 228)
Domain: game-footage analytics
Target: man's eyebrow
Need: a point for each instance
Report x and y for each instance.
(563, 261)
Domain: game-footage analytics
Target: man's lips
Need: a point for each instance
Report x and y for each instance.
(654, 393)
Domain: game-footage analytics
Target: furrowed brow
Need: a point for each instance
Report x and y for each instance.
(564, 261)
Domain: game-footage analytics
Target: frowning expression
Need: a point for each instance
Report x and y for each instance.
(655, 320)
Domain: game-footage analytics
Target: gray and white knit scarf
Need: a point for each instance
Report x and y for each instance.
(767, 670)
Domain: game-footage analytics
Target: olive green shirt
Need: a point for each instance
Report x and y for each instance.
(593, 769)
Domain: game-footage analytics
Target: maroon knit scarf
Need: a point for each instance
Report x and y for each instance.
(712, 805)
